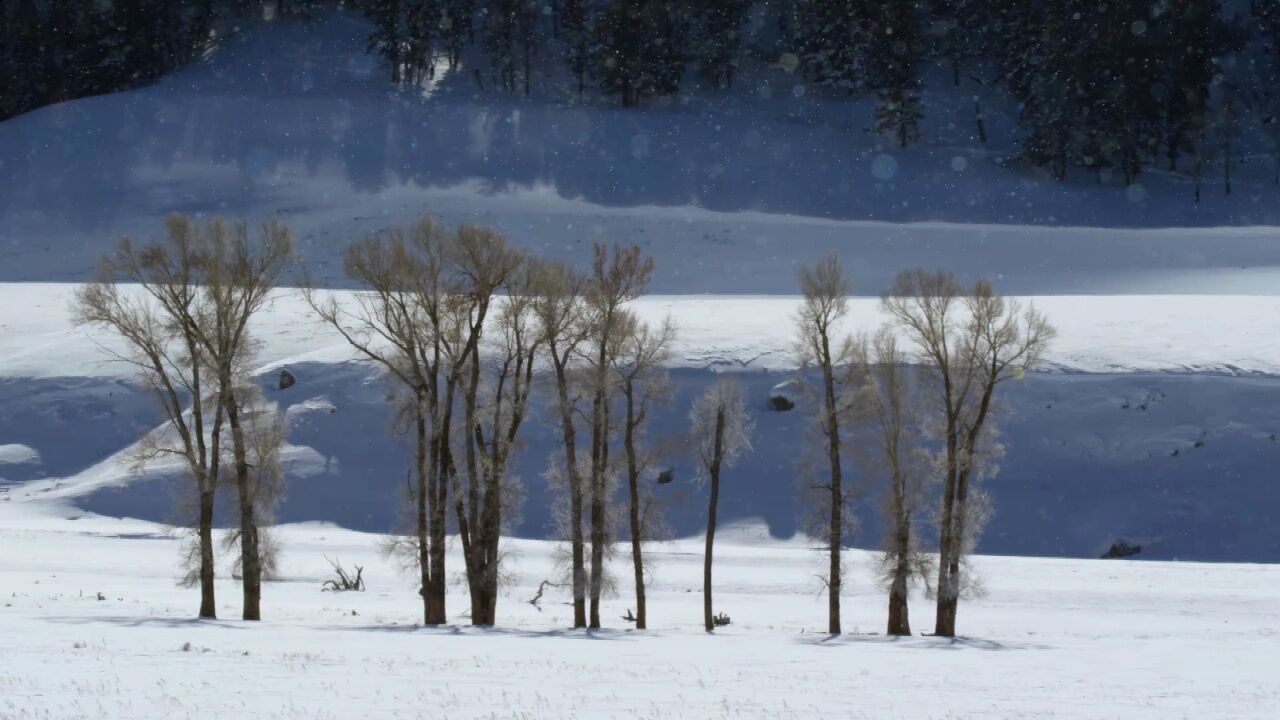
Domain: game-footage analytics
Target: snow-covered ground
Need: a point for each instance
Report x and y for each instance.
(1226, 334)
(1153, 422)
(1052, 638)
(1156, 424)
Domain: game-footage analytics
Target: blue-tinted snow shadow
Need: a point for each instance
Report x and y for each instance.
(916, 642)
(1181, 464)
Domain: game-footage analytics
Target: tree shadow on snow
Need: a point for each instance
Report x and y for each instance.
(915, 642)
(147, 621)
(491, 631)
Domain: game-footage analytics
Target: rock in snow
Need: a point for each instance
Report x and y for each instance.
(784, 395)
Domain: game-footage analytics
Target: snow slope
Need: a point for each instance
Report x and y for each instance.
(727, 192)
(1157, 427)
(1052, 639)
(1155, 424)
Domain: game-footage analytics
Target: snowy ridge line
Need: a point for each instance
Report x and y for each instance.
(1219, 334)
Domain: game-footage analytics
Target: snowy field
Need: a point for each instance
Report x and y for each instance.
(1052, 639)
(1155, 419)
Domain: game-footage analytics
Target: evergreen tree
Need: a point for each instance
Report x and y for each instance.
(513, 32)
(640, 49)
(499, 33)
(388, 36)
(1083, 82)
(961, 30)
(574, 26)
(1191, 36)
(719, 39)
(457, 27)
(897, 49)
(422, 21)
(833, 39)
(1265, 49)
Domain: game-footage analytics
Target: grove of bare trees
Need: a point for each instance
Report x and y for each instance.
(186, 327)
(472, 334)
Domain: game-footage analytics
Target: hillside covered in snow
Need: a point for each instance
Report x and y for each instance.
(1152, 422)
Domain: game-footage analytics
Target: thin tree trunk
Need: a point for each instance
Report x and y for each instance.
(527, 65)
(899, 620)
(250, 558)
(208, 601)
(633, 477)
(707, 609)
(836, 536)
(599, 473)
(421, 503)
(945, 622)
(577, 541)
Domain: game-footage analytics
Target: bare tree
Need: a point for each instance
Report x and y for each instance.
(826, 289)
(973, 341)
(615, 280)
(398, 323)
(162, 328)
(643, 381)
(561, 310)
(239, 275)
(265, 432)
(721, 435)
(889, 410)
(486, 264)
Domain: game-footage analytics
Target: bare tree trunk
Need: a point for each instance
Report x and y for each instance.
(708, 615)
(836, 530)
(421, 503)
(208, 602)
(250, 558)
(576, 539)
(899, 621)
(899, 616)
(599, 473)
(948, 594)
(633, 483)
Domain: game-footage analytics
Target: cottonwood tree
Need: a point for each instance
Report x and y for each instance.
(616, 278)
(721, 434)
(888, 410)
(265, 432)
(643, 382)
(162, 327)
(972, 341)
(819, 344)
(239, 275)
(560, 307)
(493, 407)
(398, 322)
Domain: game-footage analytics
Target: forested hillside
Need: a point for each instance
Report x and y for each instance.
(1115, 89)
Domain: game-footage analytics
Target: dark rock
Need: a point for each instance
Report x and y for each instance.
(783, 396)
(1121, 549)
(287, 380)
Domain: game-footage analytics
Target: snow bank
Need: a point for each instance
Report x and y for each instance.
(1106, 334)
